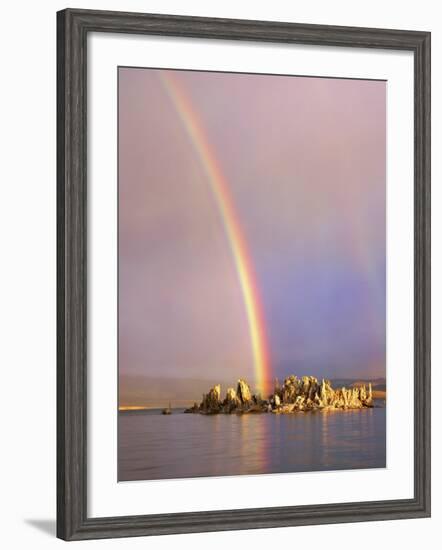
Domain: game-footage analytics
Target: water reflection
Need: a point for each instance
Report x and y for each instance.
(253, 443)
(152, 446)
(325, 437)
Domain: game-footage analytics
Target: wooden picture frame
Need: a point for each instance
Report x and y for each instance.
(73, 27)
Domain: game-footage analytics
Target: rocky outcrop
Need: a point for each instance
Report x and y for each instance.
(295, 394)
(243, 392)
(212, 401)
(231, 402)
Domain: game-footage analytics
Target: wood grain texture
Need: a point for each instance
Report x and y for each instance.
(72, 29)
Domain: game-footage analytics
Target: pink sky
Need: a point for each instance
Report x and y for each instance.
(305, 162)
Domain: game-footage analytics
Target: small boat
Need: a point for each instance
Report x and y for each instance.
(168, 410)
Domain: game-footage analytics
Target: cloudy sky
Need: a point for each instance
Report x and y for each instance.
(304, 160)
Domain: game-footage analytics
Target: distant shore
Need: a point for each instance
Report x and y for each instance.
(128, 408)
(379, 394)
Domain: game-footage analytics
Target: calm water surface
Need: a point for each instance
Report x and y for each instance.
(153, 446)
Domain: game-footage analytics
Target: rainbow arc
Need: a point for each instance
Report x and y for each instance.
(232, 226)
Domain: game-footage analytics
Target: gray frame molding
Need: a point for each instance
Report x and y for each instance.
(73, 27)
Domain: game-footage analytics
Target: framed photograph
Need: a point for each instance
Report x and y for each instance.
(243, 274)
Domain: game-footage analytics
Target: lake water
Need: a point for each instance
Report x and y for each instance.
(154, 446)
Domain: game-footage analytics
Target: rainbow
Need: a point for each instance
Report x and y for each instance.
(224, 201)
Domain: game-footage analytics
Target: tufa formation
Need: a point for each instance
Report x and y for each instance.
(296, 394)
